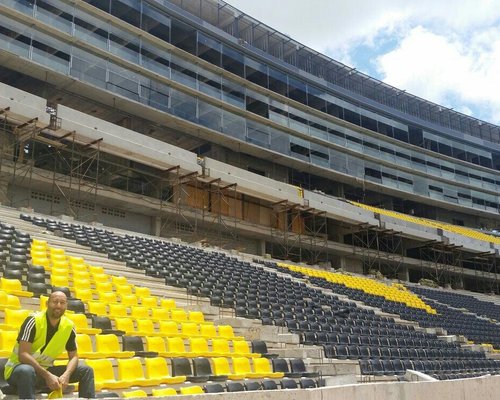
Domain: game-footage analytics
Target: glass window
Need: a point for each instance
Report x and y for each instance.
(183, 105)
(233, 125)
(91, 29)
(209, 49)
(210, 116)
(55, 14)
(155, 22)
(15, 37)
(233, 61)
(233, 93)
(123, 44)
(257, 133)
(51, 52)
(88, 68)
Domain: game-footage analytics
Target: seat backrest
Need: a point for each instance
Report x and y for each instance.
(241, 365)
(253, 385)
(190, 328)
(198, 345)
(84, 343)
(259, 346)
(169, 328)
(101, 322)
(214, 388)
(107, 343)
(269, 384)
(130, 369)
(280, 365)
(220, 345)
(176, 345)
(307, 383)
(181, 366)
(262, 365)
(155, 343)
(191, 390)
(240, 347)
(201, 366)
(235, 387)
(297, 365)
(221, 366)
(156, 367)
(164, 392)
(288, 384)
(103, 369)
(132, 343)
(125, 324)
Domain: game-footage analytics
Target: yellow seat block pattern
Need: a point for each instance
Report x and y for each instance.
(370, 286)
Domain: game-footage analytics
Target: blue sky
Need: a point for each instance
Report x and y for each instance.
(445, 51)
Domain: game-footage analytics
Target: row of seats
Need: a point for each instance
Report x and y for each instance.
(226, 280)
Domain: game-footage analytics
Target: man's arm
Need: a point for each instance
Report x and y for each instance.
(25, 357)
(70, 368)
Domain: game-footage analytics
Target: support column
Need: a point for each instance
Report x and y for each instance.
(4, 190)
(403, 274)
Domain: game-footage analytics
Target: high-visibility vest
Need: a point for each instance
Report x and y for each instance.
(54, 348)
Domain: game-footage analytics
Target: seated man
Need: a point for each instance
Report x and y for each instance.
(42, 338)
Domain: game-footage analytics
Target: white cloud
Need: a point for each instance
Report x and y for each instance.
(447, 52)
(442, 69)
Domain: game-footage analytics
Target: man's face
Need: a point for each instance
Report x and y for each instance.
(56, 306)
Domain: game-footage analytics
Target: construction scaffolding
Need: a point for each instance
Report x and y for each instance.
(442, 263)
(380, 249)
(299, 233)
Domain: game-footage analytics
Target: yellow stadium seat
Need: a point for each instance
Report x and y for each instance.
(241, 348)
(84, 295)
(221, 367)
(199, 347)
(149, 301)
(85, 348)
(157, 344)
(81, 324)
(119, 280)
(145, 327)
(108, 344)
(97, 308)
(160, 314)
(263, 366)
(139, 312)
(191, 390)
(107, 297)
(13, 319)
(241, 365)
(208, 331)
(190, 329)
(13, 287)
(164, 392)
(129, 299)
(178, 314)
(196, 316)
(157, 368)
(168, 303)
(125, 324)
(221, 347)
(176, 347)
(134, 394)
(13, 302)
(94, 269)
(130, 371)
(169, 328)
(123, 290)
(104, 375)
(8, 339)
(104, 287)
(226, 331)
(117, 310)
(141, 291)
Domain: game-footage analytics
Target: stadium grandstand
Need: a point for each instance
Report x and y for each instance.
(229, 210)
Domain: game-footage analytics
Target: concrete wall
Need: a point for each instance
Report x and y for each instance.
(485, 388)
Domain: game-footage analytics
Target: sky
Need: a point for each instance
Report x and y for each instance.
(445, 51)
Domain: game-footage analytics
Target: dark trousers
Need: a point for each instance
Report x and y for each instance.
(26, 381)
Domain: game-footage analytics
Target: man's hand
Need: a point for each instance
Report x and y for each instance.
(52, 381)
(64, 380)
